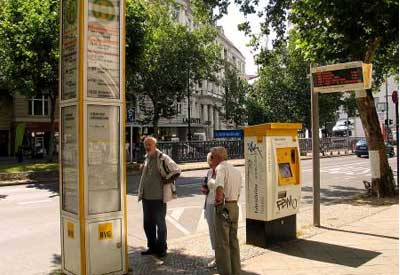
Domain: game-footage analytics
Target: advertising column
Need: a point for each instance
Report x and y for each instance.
(92, 159)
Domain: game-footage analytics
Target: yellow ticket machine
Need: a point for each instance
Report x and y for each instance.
(92, 125)
(273, 182)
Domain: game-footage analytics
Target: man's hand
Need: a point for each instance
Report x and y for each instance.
(219, 195)
(204, 189)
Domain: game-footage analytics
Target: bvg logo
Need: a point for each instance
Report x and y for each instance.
(103, 10)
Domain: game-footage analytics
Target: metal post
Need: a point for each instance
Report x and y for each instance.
(387, 111)
(188, 97)
(397, 139)
(315, 151)
(131, 144)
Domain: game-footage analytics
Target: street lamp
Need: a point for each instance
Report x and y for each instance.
(188, 99)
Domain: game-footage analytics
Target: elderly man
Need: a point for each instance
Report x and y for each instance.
(228, 184)
(158, 171)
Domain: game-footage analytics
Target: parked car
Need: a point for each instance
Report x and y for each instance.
(362, 149)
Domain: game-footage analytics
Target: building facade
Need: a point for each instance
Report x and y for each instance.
(25, 122)
(206, 100)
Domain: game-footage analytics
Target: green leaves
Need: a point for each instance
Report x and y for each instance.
(29, 45)
(165, 56)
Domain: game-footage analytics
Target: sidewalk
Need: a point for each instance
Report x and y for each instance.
(357, 237)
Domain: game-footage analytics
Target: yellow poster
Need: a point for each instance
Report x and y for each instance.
(105, 231)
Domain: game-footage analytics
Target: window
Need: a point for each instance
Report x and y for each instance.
(38, 106)
(178, 107)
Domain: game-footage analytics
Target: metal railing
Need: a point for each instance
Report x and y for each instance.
(329, 145)
(196, 151)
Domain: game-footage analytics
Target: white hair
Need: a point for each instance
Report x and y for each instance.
(209, 160)
(150, 138)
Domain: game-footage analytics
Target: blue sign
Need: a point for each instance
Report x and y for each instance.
(130, 115)
(228, 133)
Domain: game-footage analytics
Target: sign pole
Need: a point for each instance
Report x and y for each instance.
(315, 152)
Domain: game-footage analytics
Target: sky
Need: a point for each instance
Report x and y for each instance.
(229, 23)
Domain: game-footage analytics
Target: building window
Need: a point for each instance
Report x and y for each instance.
(179, 107)
(38, 106)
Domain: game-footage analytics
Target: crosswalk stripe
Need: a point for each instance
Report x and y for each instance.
(177, 225)
(177, 213)
(202, 224)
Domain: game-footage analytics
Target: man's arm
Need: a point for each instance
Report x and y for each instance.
(220, 184)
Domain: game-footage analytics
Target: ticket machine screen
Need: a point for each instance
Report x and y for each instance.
(288, 165)
(285, 170)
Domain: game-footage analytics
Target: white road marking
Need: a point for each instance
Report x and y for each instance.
(33, 202)
(177, 225)
(202, 224)
(177, 213)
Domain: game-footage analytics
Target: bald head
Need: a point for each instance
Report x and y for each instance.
(150, 144)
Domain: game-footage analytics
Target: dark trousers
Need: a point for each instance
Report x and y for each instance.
(154, 225)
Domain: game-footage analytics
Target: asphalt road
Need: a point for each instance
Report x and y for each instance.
(29, 228)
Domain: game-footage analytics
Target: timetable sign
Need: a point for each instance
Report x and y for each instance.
(352, 76)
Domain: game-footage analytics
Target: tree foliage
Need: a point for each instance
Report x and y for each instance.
(333, 31)
(172, 56)
(283, 89)
(29, 50)
(235, 93)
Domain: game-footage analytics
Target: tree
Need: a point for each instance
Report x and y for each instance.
(333, 31)
(173, 59)
(234, 95)
(29, 50)
(283, 88)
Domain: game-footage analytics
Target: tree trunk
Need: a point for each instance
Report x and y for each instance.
(382, 180)
(50, 155)
(156, 118)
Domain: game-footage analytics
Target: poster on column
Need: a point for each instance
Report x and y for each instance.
(103, 159)
(103, 63)
(255, 179)
(69, 158)
(69, 58)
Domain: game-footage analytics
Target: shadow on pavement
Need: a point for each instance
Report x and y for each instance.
(327, 253)
(52, 187)
(3, 197)
(359, 233)
(176, 262)
(331, 195)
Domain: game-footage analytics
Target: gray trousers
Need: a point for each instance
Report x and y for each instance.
(227, 253)
(209, 213)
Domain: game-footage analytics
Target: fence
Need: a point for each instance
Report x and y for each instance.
(196, 151)
(329, 145)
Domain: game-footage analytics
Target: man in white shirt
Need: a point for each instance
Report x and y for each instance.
(228, 184)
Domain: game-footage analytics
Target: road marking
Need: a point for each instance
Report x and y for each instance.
(202, 224)
(177, 225)
(33, 202)
(177, 213)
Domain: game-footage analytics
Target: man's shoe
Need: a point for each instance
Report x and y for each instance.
(148, 252)
(162, 254)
